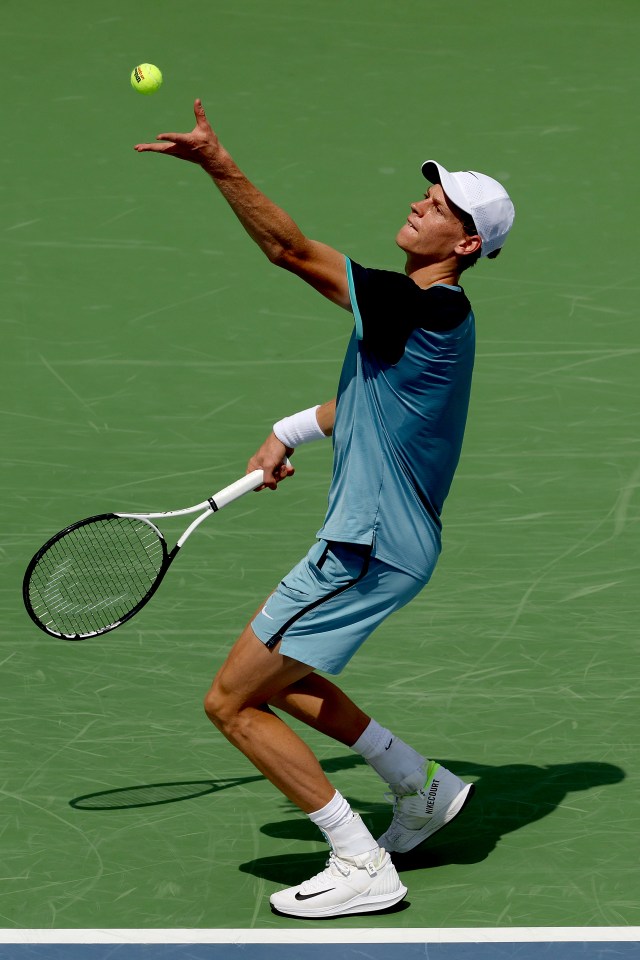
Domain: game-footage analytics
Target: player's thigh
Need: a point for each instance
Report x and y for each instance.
(252, 675)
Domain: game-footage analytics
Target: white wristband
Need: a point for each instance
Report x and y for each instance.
(299, 428)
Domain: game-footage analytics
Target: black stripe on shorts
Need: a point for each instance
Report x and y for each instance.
(277, 637)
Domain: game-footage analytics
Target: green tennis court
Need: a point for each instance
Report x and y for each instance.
(148, 348)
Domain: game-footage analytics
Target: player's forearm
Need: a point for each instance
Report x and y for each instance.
(326, 415)
(275, 232)
(314, 423)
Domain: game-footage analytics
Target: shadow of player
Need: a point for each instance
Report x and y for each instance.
(507, 798)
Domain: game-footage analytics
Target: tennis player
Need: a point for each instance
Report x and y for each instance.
(397, 424)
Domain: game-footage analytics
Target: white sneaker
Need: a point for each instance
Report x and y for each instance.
(419, 815)
(359, 884)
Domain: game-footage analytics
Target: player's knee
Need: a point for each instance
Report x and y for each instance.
(222, 710)
(214, 706)
(228, 714)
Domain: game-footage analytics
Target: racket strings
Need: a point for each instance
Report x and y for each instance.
(95, 574)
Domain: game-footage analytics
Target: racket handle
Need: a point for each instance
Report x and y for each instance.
(238, 489)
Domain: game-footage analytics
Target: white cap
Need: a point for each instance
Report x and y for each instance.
(483, 198)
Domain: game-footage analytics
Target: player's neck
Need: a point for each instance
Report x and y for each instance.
(426, 275)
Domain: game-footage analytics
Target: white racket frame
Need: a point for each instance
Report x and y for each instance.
(252, 481)
(219, 500)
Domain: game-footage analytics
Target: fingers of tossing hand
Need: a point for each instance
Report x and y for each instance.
(168, 140)
(200, 115)
(155, 147)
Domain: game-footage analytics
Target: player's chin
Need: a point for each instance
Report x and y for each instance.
(405, 238)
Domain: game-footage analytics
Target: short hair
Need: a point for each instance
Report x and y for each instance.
(467, 260)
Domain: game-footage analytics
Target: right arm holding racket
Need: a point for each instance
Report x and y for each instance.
(272, 456)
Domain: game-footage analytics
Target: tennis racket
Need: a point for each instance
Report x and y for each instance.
(98, 573)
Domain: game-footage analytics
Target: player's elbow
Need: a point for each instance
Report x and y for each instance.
(291, 250)
(284, 256)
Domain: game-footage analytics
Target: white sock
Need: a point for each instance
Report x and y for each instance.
(399, 765)
(342, 828)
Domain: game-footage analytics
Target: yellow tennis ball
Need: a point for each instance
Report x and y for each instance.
(146, 78)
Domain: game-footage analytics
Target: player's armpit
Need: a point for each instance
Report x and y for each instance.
(320, 266)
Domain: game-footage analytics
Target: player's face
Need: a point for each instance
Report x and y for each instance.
(433, 228)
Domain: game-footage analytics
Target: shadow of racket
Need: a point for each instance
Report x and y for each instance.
(154, 794)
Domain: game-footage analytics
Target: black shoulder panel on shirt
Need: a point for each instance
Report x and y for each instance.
(392, 306)
(445, 308)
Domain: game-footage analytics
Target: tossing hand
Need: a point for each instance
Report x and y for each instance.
(201, 146)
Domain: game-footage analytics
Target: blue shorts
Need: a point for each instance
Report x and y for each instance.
(331, 601)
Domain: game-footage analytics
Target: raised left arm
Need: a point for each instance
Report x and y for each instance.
(275, 232)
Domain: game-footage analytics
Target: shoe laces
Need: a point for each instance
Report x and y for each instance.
(334, 867)
(396, 799)
(336, 863)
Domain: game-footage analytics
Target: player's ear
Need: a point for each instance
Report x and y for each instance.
(468, 245)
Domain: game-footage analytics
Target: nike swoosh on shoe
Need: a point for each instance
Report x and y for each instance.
(308, 896)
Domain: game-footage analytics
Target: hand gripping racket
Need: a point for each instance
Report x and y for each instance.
(97, 573)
